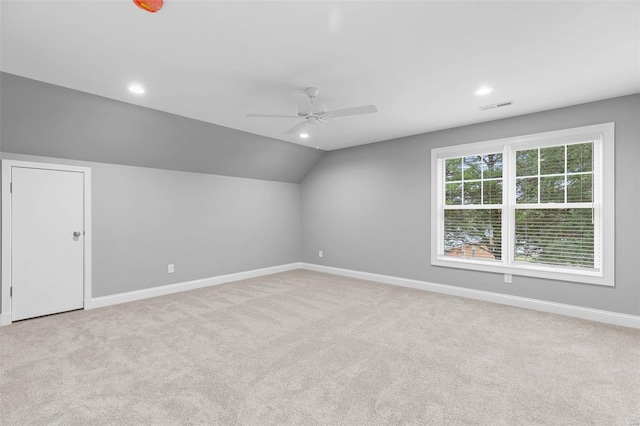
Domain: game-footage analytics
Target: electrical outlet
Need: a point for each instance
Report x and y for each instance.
(508, 278)
(171, 269)
(320, 253)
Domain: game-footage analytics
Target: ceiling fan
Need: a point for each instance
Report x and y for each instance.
(316, 114)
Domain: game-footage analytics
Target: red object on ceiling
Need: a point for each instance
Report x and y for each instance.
(149, 5)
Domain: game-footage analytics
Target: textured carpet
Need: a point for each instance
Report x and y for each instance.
(310, 348)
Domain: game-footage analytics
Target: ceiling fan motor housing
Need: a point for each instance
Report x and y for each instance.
(312, 92)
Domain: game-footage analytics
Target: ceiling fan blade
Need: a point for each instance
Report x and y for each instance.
(366, 109)
(273, 115)
(296, 128)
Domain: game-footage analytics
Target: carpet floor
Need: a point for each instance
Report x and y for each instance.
(309, 348)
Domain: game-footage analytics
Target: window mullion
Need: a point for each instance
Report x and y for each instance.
(566, 150)
(539, 180)
(481, 180)
(508, 199)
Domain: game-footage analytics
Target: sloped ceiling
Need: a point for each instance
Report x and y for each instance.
(418, 61)
(46, 120)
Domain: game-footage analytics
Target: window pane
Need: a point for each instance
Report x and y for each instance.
(472, 193)
(579, 188)
(552, 160)
(555, 237)
(579, 157)
(454, 194)
(552, 189)
(472, 167)
(492, 190)
(453, 167)
(475, 234)
(526, 190)
(492, 165)
(527, 162)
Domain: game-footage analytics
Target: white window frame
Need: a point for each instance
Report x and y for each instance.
(603, 203)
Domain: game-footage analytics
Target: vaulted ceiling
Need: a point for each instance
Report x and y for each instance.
(418, 62)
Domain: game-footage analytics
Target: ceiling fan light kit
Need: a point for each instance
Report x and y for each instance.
(314, 116)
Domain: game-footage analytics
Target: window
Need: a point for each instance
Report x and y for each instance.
(539, 205)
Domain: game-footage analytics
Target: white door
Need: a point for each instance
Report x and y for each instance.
(47, 241)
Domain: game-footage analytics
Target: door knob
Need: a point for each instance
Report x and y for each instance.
(77, 234)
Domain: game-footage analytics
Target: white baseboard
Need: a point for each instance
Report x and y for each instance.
(608, 317)
(503, 299)
(99, 302)
(5, 319)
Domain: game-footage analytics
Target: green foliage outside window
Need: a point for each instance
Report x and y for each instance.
(557, 174)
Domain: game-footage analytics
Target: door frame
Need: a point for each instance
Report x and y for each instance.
(7, 165)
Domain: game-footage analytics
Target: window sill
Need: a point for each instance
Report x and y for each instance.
(551, 273)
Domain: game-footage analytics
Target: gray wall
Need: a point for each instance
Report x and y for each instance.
(368, 207)
(44, 119)
(146, 218)
(207, 225)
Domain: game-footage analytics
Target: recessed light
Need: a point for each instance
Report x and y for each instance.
(304, 135)
(484, 90)
(137, 89)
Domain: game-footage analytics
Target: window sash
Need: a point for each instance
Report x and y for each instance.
(577, 250)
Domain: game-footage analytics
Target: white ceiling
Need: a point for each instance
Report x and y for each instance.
(418, 62)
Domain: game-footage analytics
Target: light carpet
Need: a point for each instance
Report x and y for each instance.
(309, 348)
